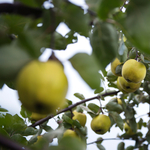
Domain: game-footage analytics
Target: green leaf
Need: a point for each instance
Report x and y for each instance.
(140, 123)
(118, 120)
(72, 14)
(93, 5)
(13, 124)
(12, 25)
(99, 90)
(29, 131)
(32, 41)
(122, 52)
(88, 68)
(101, 147)
(111, 77)
(67, 119)
(80, 96)
(12, 59)
(138, 33)
(129, 112)
(104, 41)
(32, 3)
(95, 108)
(106, 6)
(130, 148)
(133, 124)
(25, 113)
(4, 39)
(148, 136)
(60, 42)
(71, 37)
(3, 132)
(3, 109)
(46, 128)
(132, 53)
(72, 143)
(100, 139)
(114, 106)
(51, 19)
(33, 139)
(19, 139)
(120, 146)
(76, 123)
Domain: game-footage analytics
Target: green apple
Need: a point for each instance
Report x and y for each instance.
(114, 65)
(100, 124)
(42, 86)
(133, 71)
(120, 87)
(128, 87)
(81, 117)
(69, 133)
(36, 116)
(128, 129)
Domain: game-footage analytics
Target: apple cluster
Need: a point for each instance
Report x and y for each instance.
(130, 75)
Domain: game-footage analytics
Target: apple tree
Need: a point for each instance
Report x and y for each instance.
(118, 32)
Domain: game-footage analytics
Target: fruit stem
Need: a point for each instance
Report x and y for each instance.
(100, 109)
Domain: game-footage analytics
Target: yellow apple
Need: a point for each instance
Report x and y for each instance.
(116, 99)
(42, 86)
(39, 138)
(133, 71)
(119, 101)
(128, 87)
(114, 65)
(128, 129)
(70, 133)
(36, 116)
(120, 87)
(100, 124)
(81, 117)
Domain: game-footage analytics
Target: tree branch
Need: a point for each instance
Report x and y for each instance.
(100, 140)
(20, 9)
(11, 144)
(72, 106)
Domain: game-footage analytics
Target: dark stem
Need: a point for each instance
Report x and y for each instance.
(53, 27)
(136, 55)
(11, 144)
(20, 9)
(72, 106)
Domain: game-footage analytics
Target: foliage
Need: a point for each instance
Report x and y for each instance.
(114, 29)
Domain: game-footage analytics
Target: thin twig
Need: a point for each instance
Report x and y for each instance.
(20, 9)
(72, 106)
(100, 140)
